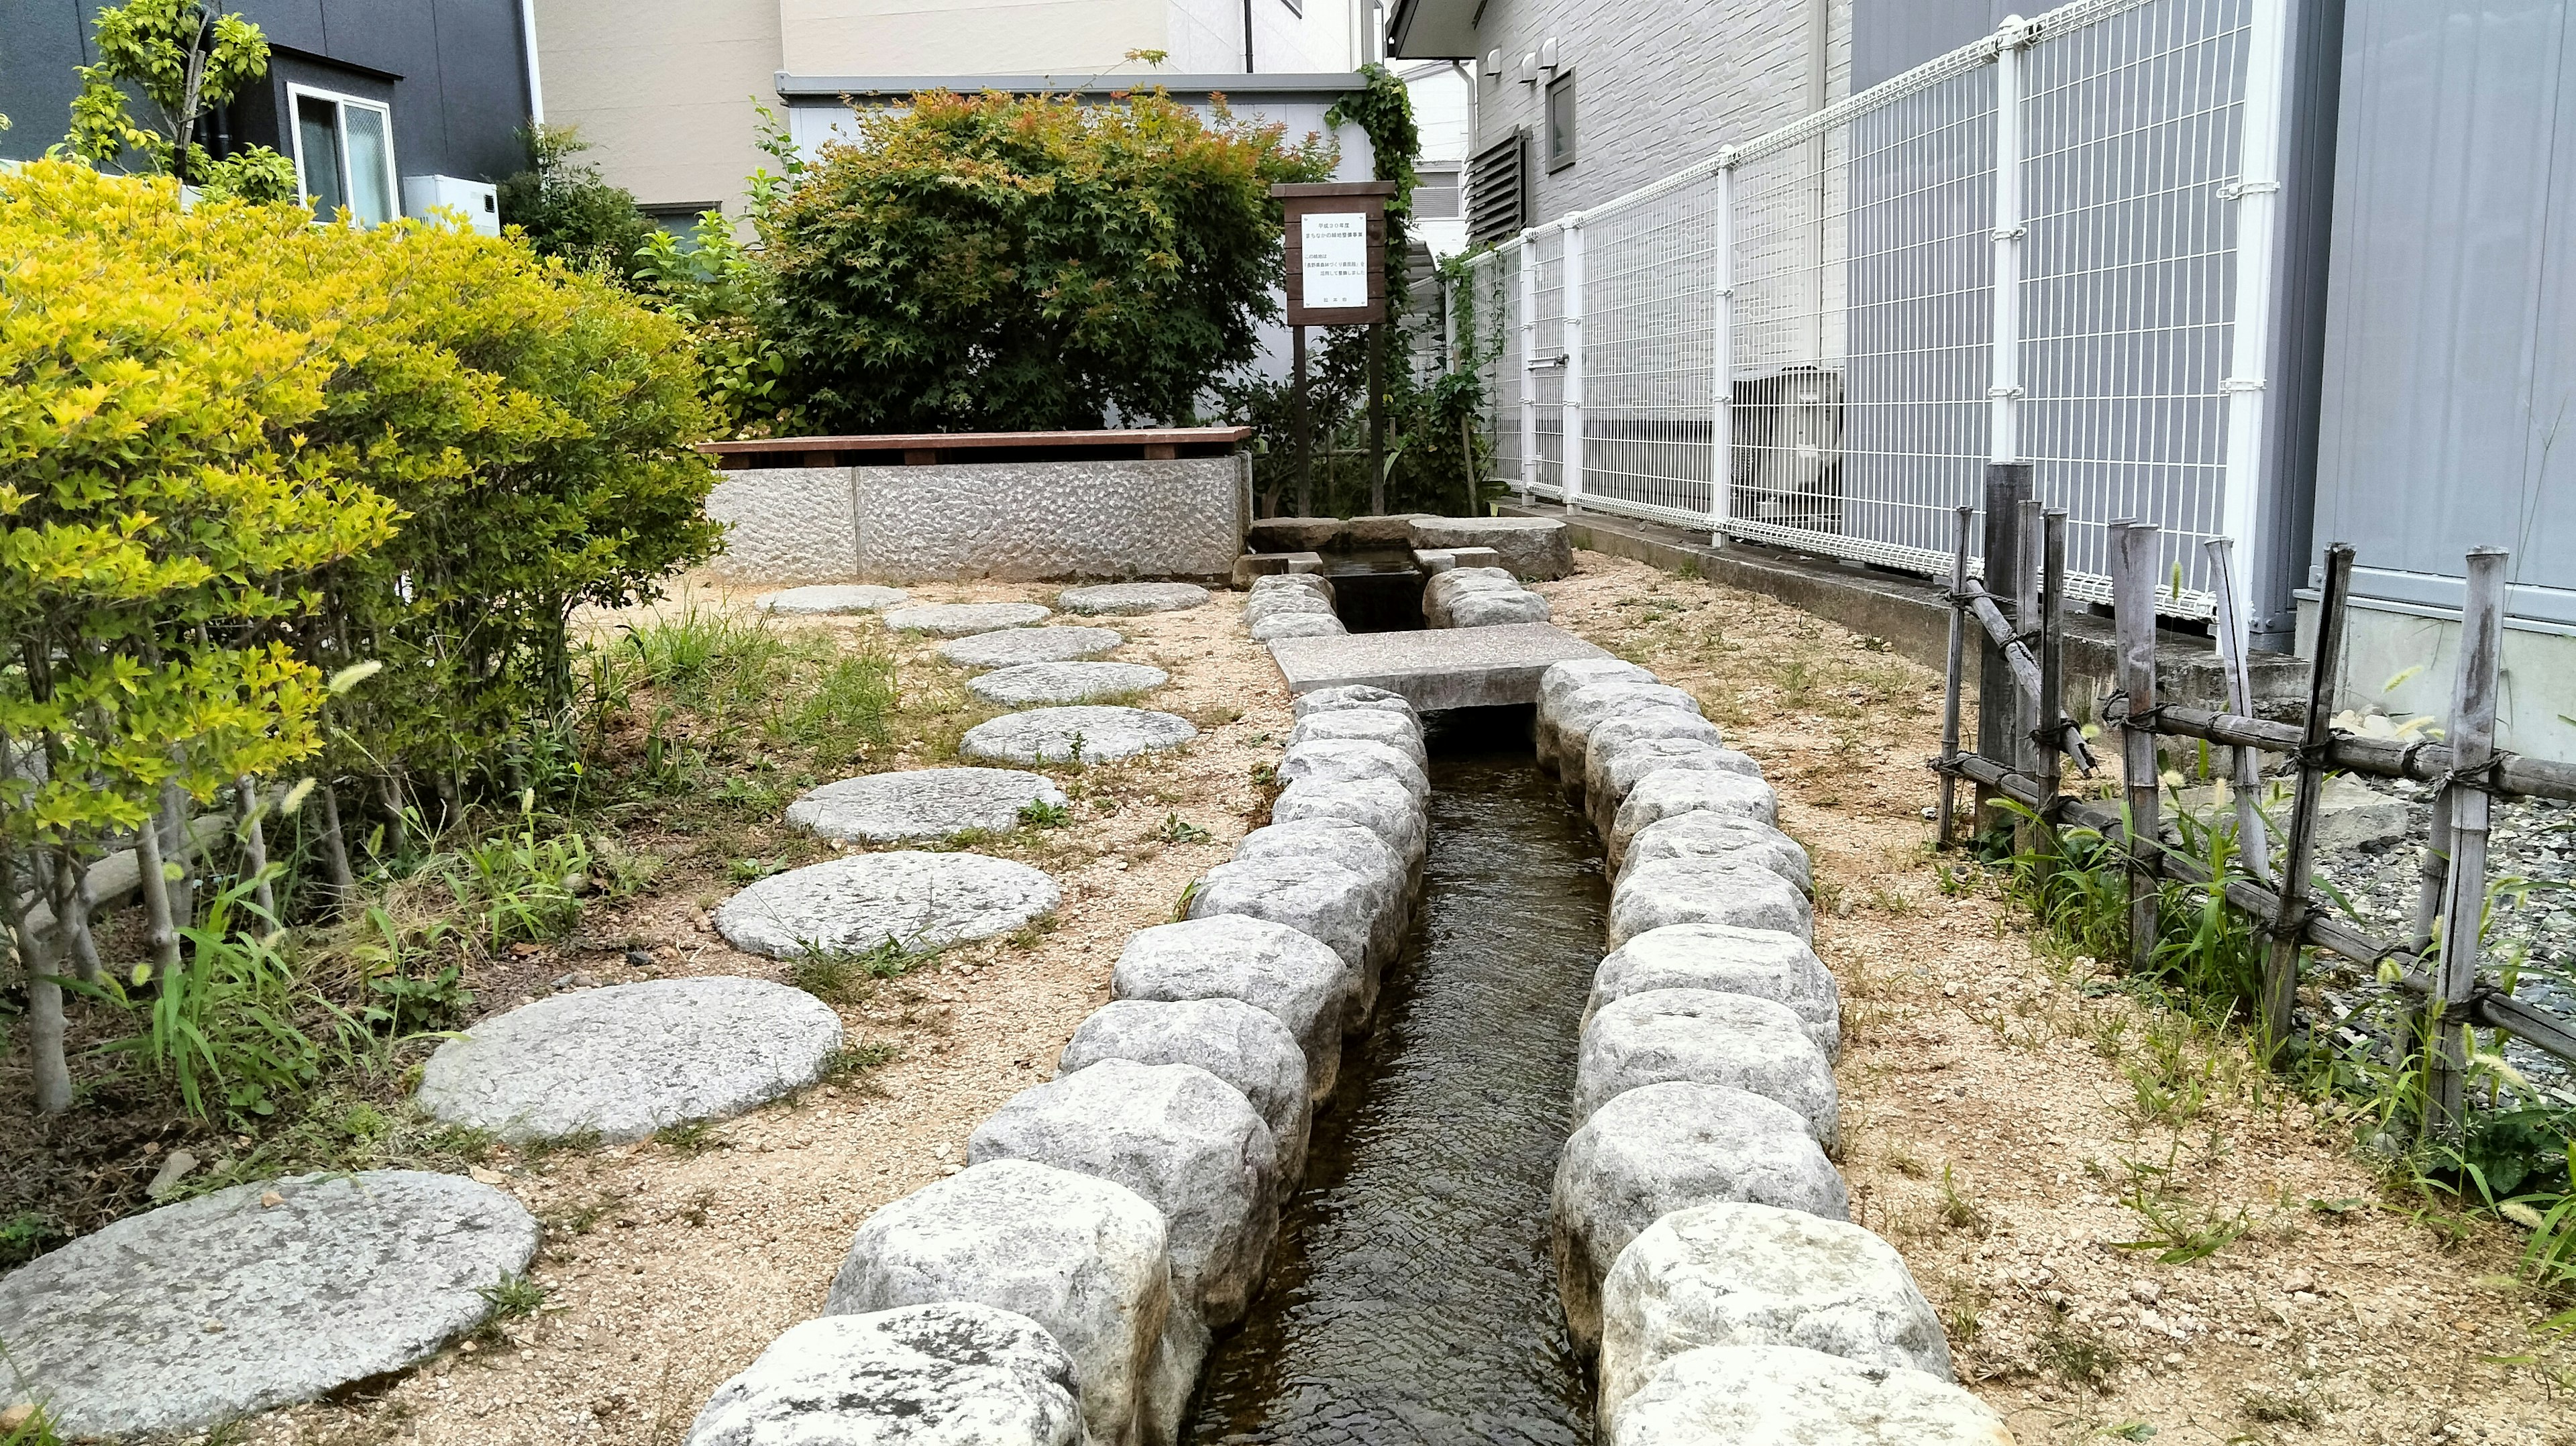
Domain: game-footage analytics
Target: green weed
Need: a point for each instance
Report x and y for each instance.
(2077, 1355)
(1175, 830)
(512, 1297)
(690, 1137)
(1038, 813)
(844, 976)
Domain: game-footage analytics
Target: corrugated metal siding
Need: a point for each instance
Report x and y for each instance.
(2449, 412)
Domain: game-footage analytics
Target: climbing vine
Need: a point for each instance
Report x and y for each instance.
(1383, 110)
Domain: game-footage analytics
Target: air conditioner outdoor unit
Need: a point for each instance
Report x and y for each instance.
(479, 202)
(1789, 448)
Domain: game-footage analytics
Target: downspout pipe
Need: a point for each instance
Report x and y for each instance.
(528, 42)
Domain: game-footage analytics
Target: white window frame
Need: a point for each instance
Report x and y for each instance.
(348, 188)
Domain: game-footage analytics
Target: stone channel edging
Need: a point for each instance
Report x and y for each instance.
(1128, 1208)
(1699, 1227)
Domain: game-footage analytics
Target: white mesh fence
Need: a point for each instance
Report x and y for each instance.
(1840, 276)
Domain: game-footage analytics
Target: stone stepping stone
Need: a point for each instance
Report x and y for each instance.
(1126, 599)
(952, 1374)
(1064, 682)
(1085, 734)
(1788, 1393)
(833, 598)
(922, 803)
(631, 1058)
(921, 901)
(186, 1316)
(1013, 646)
(957, 620)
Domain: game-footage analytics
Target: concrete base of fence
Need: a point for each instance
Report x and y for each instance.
(1011, 521)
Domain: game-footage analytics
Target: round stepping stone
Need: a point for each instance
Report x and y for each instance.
(919, 900)
(1086, 734)
(952, 1374)
(833, 598)
(1126, 599)
(922, 803)
(1788, 1393)
(1013, 646)
(185, 1316)
(631, 1058)
(957, 620)
(1064, 682)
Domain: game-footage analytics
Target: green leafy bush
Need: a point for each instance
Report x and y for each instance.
(183, 61)
(565, 209)
(998, 263)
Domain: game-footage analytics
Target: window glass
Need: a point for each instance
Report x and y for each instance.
(1560, 121)
(317, 127)
(371, 197)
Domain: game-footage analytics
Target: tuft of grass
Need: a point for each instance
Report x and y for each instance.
(857, 1059)
(1038, 813)
(512, 1297)
(842, 976)
(35, 1430)
(2130, 1431)
(846, 710)
(2273, 1408)
(23, 1236)
(690, 1137)
(579, 1142)
(2077, 1356)
(1959, 1212)
(1176, 830)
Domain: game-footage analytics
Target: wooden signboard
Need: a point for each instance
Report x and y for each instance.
(1336, 252)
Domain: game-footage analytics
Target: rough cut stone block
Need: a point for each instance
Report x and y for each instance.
(1719, 835)
(1381, 529)
(1188, 1142)
(1661, 796)
(949, 1374)
(1706, 891)
(1030, 521)
(1534, 548)
(1316, 897)
(1765, 963)
(1081, 1256)
(1569, 732)
(631, 1058)
(1293, 977)
(1014, 646)
(1446, 590)
(1297, 625)
(1268, 603)
(1494, 609)
(192, 1314)
(1293, 534)
(1084, 733)
(828, 599)
(1706, 1037)
(1447, 668)
(1566, 679)
(1790, 1396)
(1375, 725)
(1612, 772)
(957, 620)
(1380, 805)
(1621, 729)
(1345, 845)
(1242, 1045)
(1064, 682)
(785, 524)
(1310, 578)
(1658, 1148)
(1346, 758)
(1355, 696)
(1127, 599)
(918, 900)
(922, 803)
(1734, 1273)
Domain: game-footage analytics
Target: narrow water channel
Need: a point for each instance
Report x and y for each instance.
(1413, 1300)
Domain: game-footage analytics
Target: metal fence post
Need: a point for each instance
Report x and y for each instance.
(2290, 920)
(2134, 549)
(1570, 447)
(1527, 257)
(2473, 729)
(2257, 194)
(2004, 389)
(1721, 388)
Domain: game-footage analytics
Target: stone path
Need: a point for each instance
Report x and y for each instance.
(833, 598)
(926, 803)
(1129, 598)
(1064, 682)
(918, 900)
(256, 1296)
(631, 1058)
(1080, 734)
(957, 620)
(1029, 645)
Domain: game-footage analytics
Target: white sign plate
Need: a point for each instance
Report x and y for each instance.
(1335, 258)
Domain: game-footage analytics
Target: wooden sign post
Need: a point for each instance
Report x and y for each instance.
(1337, 277)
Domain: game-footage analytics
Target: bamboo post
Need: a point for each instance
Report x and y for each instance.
(2473, 731)
(1998, 703)
(2290, 921)
(2048, 732)
(1941, 836)
(2028, 540)
(2253, 845)
(2134, 551)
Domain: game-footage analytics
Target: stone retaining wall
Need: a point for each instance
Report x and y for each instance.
(1007, 521)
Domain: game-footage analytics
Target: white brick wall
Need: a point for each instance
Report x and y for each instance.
(1657, 85)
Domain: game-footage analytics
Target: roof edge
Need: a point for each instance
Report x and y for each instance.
(832, 87)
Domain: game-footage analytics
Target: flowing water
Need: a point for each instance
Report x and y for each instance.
(1412, 1299)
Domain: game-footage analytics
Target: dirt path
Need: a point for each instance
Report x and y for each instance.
(1992, 1105)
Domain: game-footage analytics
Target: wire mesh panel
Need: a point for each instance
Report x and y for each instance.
(1489, 338)
(1650, 282)
(1543, 371)
(2133, 122)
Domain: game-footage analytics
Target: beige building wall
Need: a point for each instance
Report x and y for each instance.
(967, 37)
(663, 90)
(1311, 36)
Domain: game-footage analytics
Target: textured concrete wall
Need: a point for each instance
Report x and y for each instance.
(1015, 521)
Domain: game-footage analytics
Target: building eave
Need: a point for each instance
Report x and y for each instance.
(1434, 29)
(1236, 86)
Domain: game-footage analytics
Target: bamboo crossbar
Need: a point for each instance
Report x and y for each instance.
(2025, 669)
(2379, 757)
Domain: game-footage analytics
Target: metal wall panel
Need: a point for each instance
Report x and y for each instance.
(2448, 419)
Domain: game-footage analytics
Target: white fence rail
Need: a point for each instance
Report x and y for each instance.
(2053, 246)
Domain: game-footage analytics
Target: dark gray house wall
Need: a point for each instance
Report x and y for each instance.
(455, 73)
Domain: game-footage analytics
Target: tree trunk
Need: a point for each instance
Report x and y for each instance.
(335, 851)
(155, 884)
(254, 845)
(53, 1075)
(71, 917)
(175, 850)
